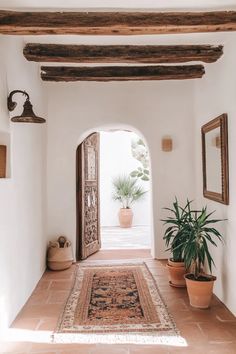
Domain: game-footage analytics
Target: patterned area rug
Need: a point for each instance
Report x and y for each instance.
(115, 303)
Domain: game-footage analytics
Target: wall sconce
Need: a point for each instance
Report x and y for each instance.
(27, 116)
(166, 144)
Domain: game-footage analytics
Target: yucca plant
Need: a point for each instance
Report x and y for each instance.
(200, 231)
(127, 191)
(175, 235)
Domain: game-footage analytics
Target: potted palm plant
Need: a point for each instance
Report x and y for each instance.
(174, 237)
(126, 191)
(196, 254)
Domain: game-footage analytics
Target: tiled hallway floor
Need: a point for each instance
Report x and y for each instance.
(205, 331)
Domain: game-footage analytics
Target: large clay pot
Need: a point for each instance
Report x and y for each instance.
(125, 217)
(200, 292)
(177, 272)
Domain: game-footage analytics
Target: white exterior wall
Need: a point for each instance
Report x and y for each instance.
(75, 110)
(116, 159)
(215, 94)
(22, 218)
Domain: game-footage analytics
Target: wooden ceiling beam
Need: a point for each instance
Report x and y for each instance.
(121, 73)
(115, 23)
(148, 54)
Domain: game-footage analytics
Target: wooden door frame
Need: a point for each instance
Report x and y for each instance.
(79, 207)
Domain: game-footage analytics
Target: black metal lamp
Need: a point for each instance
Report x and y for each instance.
(27, 116)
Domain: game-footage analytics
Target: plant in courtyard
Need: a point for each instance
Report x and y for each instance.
(127, 191)
(140, 153)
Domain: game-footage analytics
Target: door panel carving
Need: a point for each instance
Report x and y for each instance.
(88, 223)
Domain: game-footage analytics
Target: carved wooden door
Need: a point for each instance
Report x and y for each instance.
(88, 223)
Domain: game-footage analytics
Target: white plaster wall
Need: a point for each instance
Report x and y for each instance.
(215, 94)
(152, 109)
(77, 109)
(22, 196)
(116, 159)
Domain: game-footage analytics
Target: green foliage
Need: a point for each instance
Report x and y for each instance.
(127, 191)
(140, 153)
(175, 234)
(189, 235)
(200, 233)
(142, 173)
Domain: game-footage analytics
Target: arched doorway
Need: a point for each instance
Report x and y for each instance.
(95, 188)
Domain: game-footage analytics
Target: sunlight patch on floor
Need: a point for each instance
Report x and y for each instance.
(23, 335)
(117, 338)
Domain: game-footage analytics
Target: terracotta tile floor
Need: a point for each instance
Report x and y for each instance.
(205, 331)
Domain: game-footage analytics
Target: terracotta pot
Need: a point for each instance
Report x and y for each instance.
(200, 292)
(175, 264)
(125, 217)
(176, 274)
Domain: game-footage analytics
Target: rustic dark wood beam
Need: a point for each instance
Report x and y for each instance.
(148, 54)
(121, 73)
(115, 23)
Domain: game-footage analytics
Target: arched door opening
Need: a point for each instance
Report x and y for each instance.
(114, 209)
(125, 214)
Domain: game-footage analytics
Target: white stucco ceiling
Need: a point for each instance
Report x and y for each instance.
(134, 4)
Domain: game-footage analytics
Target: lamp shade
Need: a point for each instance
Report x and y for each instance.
(28, 115)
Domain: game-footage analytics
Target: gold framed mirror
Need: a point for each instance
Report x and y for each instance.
(215, 159)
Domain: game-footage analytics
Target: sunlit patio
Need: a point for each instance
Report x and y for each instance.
(121, 238)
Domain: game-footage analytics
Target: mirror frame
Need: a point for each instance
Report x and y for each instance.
(222, 123)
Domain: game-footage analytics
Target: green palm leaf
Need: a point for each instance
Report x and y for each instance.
(127, 191)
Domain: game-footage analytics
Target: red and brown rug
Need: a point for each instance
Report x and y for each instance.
(115, 302)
